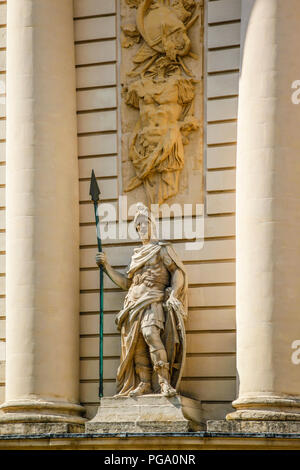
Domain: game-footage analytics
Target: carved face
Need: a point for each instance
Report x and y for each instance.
(179, 41)
(143, 227)
(164, 31)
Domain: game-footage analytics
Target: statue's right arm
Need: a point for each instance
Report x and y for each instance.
(118, 278)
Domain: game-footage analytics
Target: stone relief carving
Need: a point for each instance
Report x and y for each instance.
(152, 319)
(161, 86)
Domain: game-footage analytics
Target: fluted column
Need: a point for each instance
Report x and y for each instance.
(268, 213)
(42, 358)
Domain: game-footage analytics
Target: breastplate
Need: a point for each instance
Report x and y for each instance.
(152, 274)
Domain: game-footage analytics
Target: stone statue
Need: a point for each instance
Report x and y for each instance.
(161, 93)
(152, 319)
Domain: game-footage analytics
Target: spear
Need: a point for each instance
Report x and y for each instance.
(94, 193)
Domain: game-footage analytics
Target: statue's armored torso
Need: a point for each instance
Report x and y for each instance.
(152, 275)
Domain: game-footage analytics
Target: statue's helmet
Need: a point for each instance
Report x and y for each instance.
(142, 213)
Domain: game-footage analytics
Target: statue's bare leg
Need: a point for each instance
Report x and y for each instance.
(159, 359)
(143, 369)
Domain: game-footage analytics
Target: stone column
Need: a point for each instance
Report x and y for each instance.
(268, 214)
(42, 354)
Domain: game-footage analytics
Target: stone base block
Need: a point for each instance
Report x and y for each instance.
(37, 416)
(240, 426)
(148, 413)
(40, 428)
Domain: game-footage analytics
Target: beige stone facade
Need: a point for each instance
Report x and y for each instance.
(239, 344)
(210, 368)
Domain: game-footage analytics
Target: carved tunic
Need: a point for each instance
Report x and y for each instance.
(153, 275)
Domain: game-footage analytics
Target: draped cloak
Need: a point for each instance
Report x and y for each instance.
(129, 322)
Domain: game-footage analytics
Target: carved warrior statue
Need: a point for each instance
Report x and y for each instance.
(152, 319)
(163, 90)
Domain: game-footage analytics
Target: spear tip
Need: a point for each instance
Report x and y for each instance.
(94, 188)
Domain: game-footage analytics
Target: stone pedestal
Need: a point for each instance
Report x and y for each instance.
(243, 426)
(148, 413)
(40, 428)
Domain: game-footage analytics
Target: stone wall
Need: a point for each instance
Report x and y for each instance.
(210, 368)
(210, 373)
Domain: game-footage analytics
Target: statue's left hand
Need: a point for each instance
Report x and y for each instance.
(173, 302)
(168, 291)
